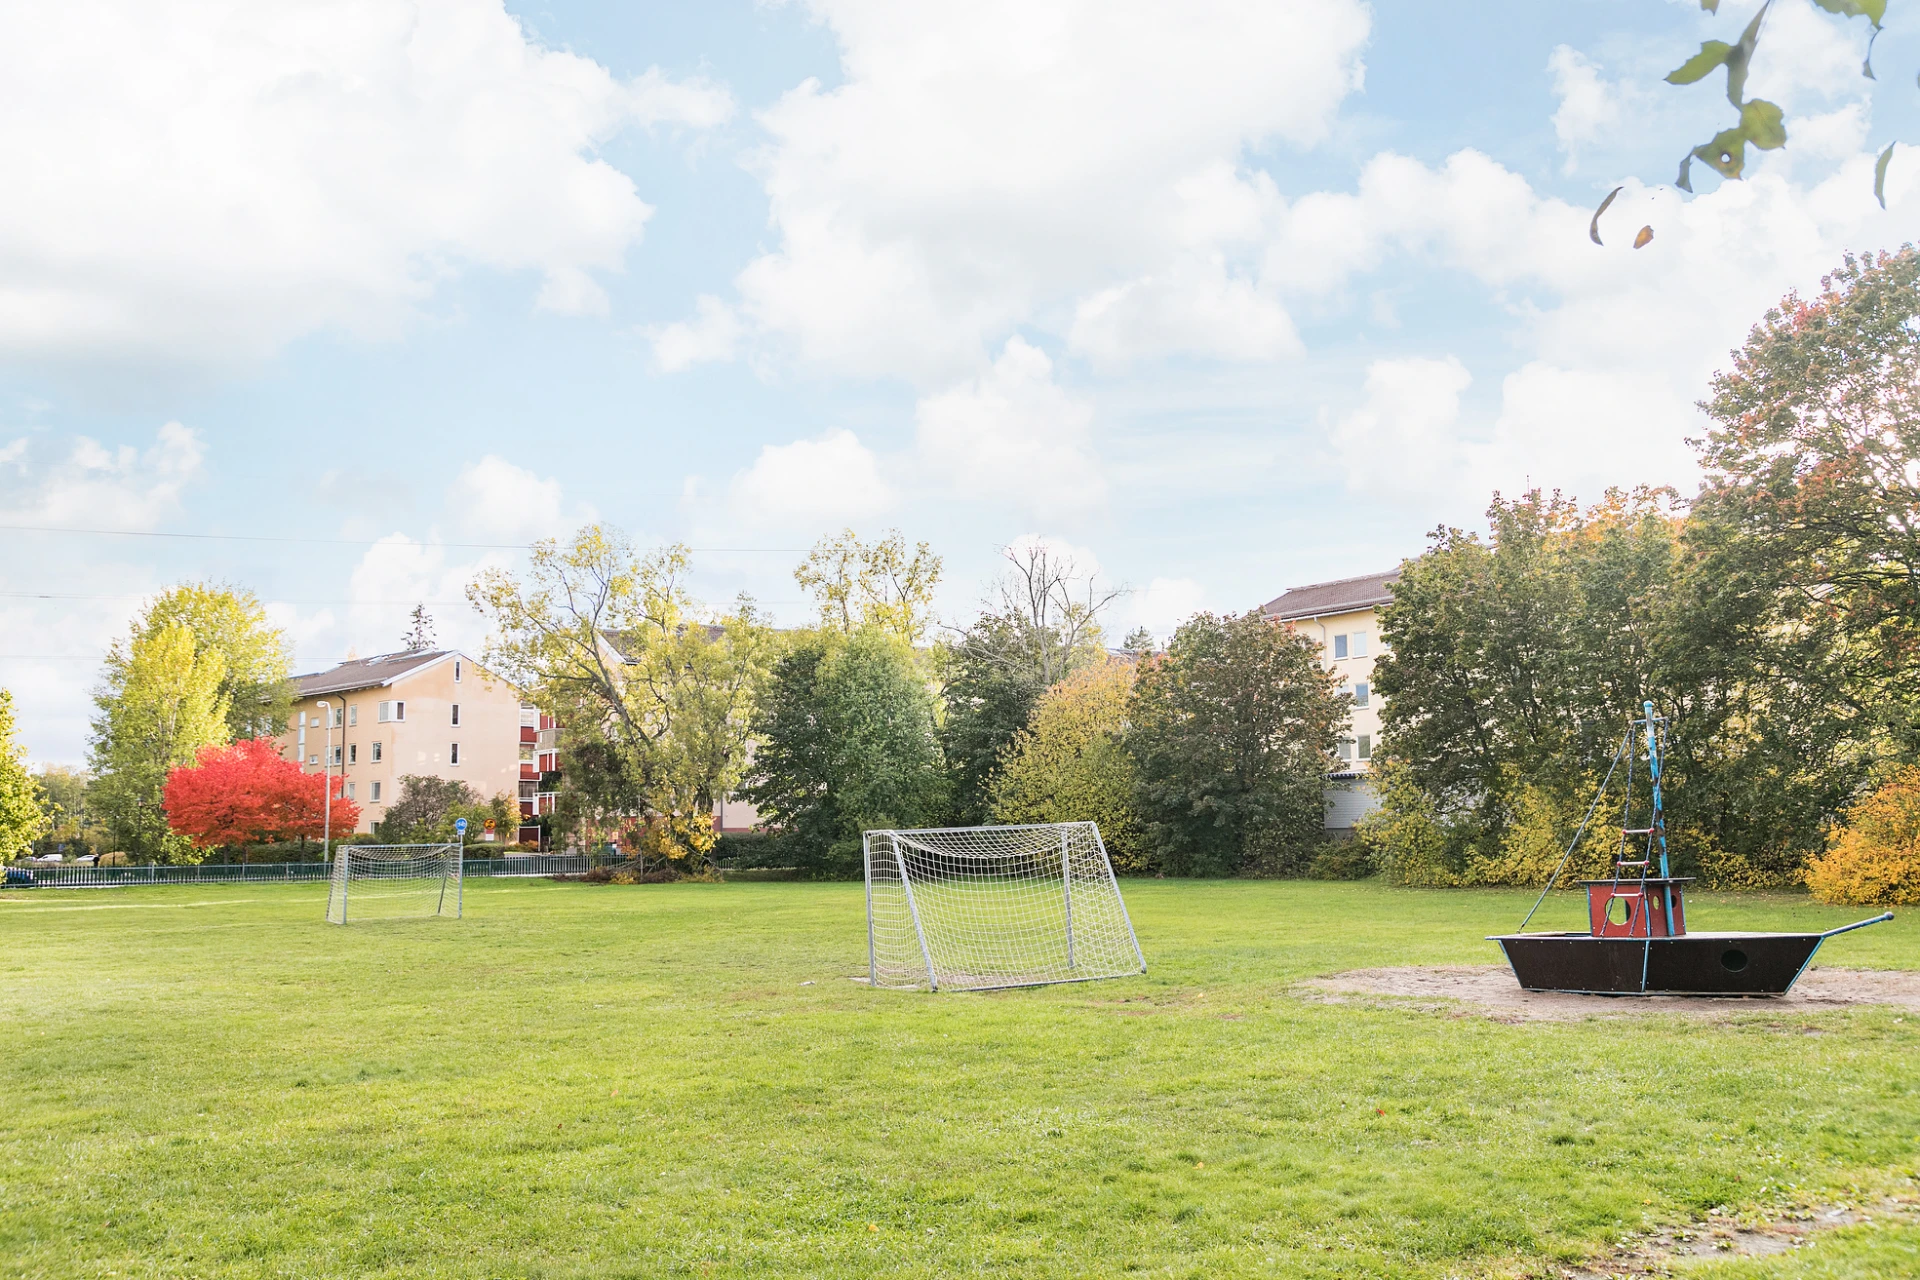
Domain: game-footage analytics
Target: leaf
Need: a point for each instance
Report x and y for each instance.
(1866, 64)
(1872, 10)
(1880, 174)
(1593, 228)
(1711, 6)
(1727, 153)
(1685, 180)
(1760, 122)
(1741, 54)
(1713, 53)
(1644, 239)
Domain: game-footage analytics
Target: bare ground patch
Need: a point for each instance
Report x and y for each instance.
(1720, 1235)
(1492, 991)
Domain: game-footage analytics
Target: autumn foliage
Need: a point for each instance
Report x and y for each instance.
(1875, 857)
(246, 794)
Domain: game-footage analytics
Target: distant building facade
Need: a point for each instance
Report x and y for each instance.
(1344, 617)
(435, 713)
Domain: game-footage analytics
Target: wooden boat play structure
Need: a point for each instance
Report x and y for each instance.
(1637, 943)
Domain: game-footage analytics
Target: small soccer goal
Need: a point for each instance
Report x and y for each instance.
(973, 908)
(394, 882)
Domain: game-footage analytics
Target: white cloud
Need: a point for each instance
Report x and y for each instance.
(1402, 438)
(1012, 436)
(569, 291)
(493, 500)
(1590, 108)
(88, 485)
(983, 167)
(203, 183)
(1160, 606)
(712, 334)
(810, 486)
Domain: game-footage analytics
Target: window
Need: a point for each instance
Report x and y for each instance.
(1360, 694)
(453, 753)
(392, 711)
(353, 714)
(456, 671)
(1340, 646)
(526, 753)
(1359, 644)
(353, 753)
(1346, 749)
(314, 758)
(303, 731)
(456, 713)
(334, 756)
(334, 715)
(373, 792)
(376, 753)
(349, 791)
(1366, 746)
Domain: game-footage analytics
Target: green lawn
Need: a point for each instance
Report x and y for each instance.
(589, 1080)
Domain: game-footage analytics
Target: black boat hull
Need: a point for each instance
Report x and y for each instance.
(1696, 964)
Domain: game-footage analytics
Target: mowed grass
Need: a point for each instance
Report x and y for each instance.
(585, 1080)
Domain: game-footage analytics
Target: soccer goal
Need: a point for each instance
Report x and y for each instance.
(394, 881)
(973, 908)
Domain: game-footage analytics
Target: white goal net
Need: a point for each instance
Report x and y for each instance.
(394, 881)
(972, 908)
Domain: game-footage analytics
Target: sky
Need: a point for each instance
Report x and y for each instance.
(342, 301)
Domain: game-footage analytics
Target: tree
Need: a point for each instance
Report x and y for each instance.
(653, 694)
(1875, 856)
(246, 794)
(1042, 625)
(64, 801)
(161, 703)
(1070, 763)
(1232, 733)
(419, 637)
(425, 809)
(23, 814)
(845, 736)
(856, 584)
(233, 623)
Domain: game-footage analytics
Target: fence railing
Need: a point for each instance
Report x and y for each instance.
(76, 877)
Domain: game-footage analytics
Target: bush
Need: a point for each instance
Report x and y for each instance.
(1406, 839)
(1875, 857)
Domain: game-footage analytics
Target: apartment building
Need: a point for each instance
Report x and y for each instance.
(1344, 617)
(431, 713)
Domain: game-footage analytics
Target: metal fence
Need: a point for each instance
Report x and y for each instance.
(76, 877)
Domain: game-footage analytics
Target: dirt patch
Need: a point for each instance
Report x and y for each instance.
(1491, 990)
(1719, 1235)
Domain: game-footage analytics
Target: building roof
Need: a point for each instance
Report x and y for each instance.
(1320, 599)
(364, 673)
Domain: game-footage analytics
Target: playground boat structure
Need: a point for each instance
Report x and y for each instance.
(1637, 942)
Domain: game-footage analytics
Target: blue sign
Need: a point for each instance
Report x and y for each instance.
(459, 826)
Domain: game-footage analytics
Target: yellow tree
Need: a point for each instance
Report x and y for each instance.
(857, 584)
(1070, 762)
(161, 702)
(23, 809)
(231, 622)
(653, 693)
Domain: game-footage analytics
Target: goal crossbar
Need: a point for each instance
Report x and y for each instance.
(395, 881)
(980, 908)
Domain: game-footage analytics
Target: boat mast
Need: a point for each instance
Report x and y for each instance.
(1658, 824)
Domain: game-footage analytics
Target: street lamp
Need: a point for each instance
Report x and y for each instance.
(326, 789)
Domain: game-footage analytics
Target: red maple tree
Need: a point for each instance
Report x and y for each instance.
(246, 794)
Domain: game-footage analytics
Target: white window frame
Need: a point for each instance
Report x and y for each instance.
(456, 671)
(313, 758)
(374, 797)
(353, 753)
(456, 714)
(1359, 644)
(393, 711)
(1362, 693)
(349, 791)
(353, 714)
(453, 754)
(376, 753)
(1365, 751)
(1340, 645)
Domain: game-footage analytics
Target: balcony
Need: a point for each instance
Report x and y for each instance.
(529, 735)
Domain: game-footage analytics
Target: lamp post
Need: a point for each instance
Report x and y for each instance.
(326, 788)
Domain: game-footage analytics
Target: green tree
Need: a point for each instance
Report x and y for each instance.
(1042, 625)
(653, 694)
(425, 809)
(23, 808)
(231, 622)
(845, 743)
(1070, 763)
(857, 584)
(64, 792)
(160, 704)
(1232, 733)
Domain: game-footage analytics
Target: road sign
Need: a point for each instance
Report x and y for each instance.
(489, 825)
(459, 826)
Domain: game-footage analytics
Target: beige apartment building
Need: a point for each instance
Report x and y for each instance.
(1344, 616)
(430, 713)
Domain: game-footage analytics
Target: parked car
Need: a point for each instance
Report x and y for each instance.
(18, 878)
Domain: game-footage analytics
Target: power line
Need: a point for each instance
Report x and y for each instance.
(362, 542)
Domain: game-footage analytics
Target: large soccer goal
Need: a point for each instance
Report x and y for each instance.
(394, 881)
(972, 908)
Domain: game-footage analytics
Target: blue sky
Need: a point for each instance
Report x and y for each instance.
(1223, 297)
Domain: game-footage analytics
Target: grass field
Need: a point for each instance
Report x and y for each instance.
(601, 1081)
